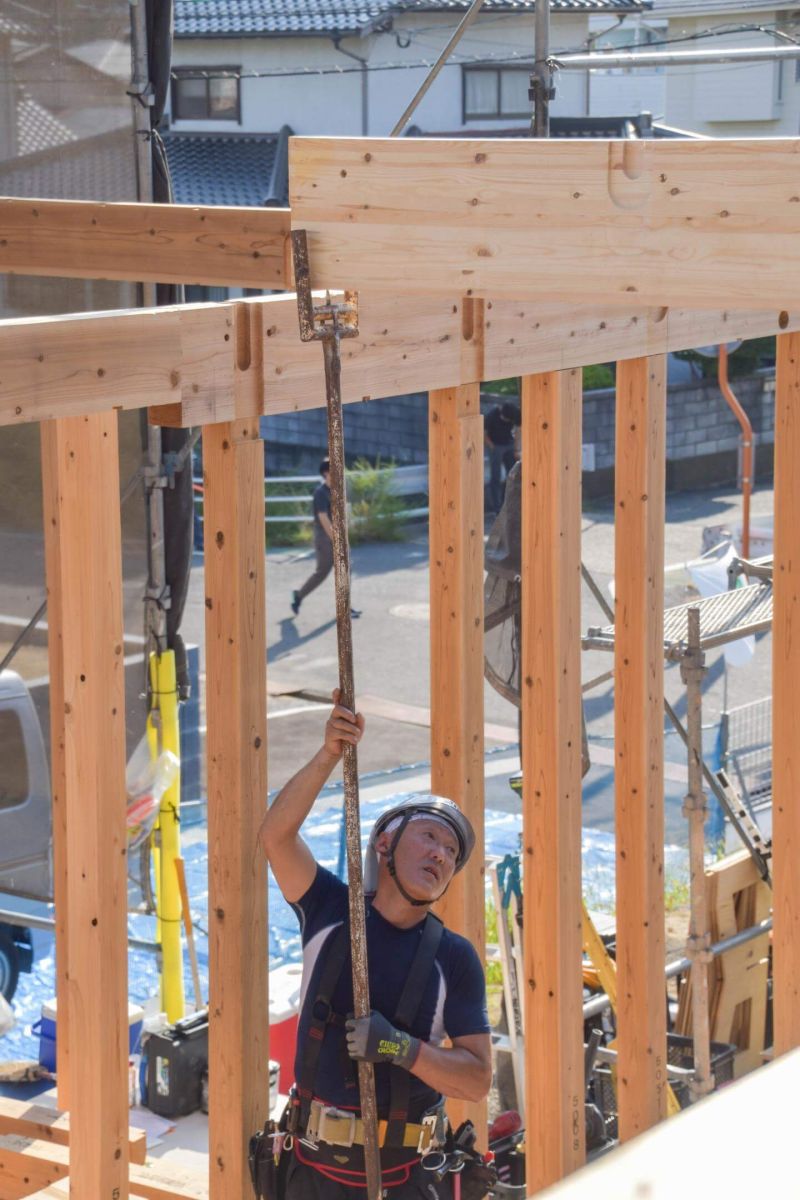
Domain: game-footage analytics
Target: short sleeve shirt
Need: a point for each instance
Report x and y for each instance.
(322, 502)
(452, 1004)
(500, 431)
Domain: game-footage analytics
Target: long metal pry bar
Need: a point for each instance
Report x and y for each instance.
(329, 323)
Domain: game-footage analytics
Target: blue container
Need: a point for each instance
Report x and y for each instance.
(46, 1031)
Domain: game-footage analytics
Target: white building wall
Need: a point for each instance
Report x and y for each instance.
(333, 104)
(748, 100)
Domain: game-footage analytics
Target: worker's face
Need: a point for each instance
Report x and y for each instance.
(425, 858)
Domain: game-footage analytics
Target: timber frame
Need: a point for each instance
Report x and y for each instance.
(447, 244)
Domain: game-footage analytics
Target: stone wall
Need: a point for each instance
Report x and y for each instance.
(702, 434)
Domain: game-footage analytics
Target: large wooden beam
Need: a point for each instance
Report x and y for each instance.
(551, 772)
(785, 709)
(236, 704)
(639, 742)
(157, 243)
(683, 223)
(47, 1125)
(456, 649)
(27, 1165)
(204, 363)
(84, 569)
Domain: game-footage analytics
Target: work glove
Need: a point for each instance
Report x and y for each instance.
(374, 1039)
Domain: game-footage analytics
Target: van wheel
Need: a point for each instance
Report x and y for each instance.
(9, 965)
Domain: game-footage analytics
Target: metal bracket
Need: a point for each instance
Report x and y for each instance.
(328, 320)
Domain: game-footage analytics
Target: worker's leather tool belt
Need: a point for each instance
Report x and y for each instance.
(336, 1127)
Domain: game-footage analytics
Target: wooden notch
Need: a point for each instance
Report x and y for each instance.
(639, 742)
(155, 243)
(551, 768)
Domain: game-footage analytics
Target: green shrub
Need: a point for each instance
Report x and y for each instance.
(374, 508)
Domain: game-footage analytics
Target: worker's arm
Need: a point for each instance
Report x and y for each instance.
(325, 522)
(291, 860)
(462, 1071)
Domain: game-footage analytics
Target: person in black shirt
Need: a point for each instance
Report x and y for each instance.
(498, 434)
(323, 539)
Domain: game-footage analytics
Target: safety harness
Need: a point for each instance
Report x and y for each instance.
(337, 959)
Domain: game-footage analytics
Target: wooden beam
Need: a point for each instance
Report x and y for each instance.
(58, 770)
(785, 710)
(47, 1125)
(188, 363)
(662, 222)
(156, 243)
(639, 742)
(26, 1165)
(551, 770)
(84, 564)
(456, 650)
(236, 702)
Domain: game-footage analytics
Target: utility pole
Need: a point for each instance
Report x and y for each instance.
(542, 91)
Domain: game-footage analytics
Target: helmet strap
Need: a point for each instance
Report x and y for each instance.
(390, 863)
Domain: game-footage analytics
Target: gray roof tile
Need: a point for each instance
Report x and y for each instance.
(270, 18)
(241, 169)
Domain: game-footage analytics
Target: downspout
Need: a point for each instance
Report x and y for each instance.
(337, 42)
(746, 444)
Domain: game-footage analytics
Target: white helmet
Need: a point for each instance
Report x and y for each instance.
(418, 804)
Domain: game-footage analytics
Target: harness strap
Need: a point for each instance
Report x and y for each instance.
(322, 1015)
(404, 1016)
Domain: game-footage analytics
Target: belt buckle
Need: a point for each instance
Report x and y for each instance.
(428, 1124)
(336, 1116)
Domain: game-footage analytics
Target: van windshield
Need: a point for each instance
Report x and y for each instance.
(13, 761)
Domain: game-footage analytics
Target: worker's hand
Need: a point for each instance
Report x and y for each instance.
(342, 728)
(374, 1039)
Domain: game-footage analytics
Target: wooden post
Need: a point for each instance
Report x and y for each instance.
(236, 705)
(785, 709)
(639, 741)
(551, 770)
(456, 632)
(87, 715)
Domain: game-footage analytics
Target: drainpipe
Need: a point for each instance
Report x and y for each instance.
(337, 42)
(746, 444)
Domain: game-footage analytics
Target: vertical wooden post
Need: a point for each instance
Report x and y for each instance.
(236, 706)
(87, 716)
(551, 774)
(456, 631)
(639, 741)
(785, 709)
(55, 637)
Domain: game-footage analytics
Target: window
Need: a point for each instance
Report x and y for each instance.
(632, 38)
(14, 775)
(205, 94)
(496, 92)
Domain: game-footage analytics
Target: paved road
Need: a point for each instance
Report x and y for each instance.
(392, 655)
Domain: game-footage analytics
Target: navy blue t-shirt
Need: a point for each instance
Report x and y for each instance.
(453, 1003)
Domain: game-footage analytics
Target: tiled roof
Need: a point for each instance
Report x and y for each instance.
(241, 169)
(270, 18)
(570, 127)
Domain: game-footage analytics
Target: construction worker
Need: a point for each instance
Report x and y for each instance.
(426, 984)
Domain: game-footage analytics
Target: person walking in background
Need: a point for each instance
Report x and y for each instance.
(498, 432)
(323, 539)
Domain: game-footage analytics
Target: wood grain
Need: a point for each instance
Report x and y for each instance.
(639, 742)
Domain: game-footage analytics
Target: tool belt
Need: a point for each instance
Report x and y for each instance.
(337, 1127)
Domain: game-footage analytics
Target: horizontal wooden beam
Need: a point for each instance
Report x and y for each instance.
(27, 1164)
(48, 1125)
(684, 223)
(157, 243)
(204, 363)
